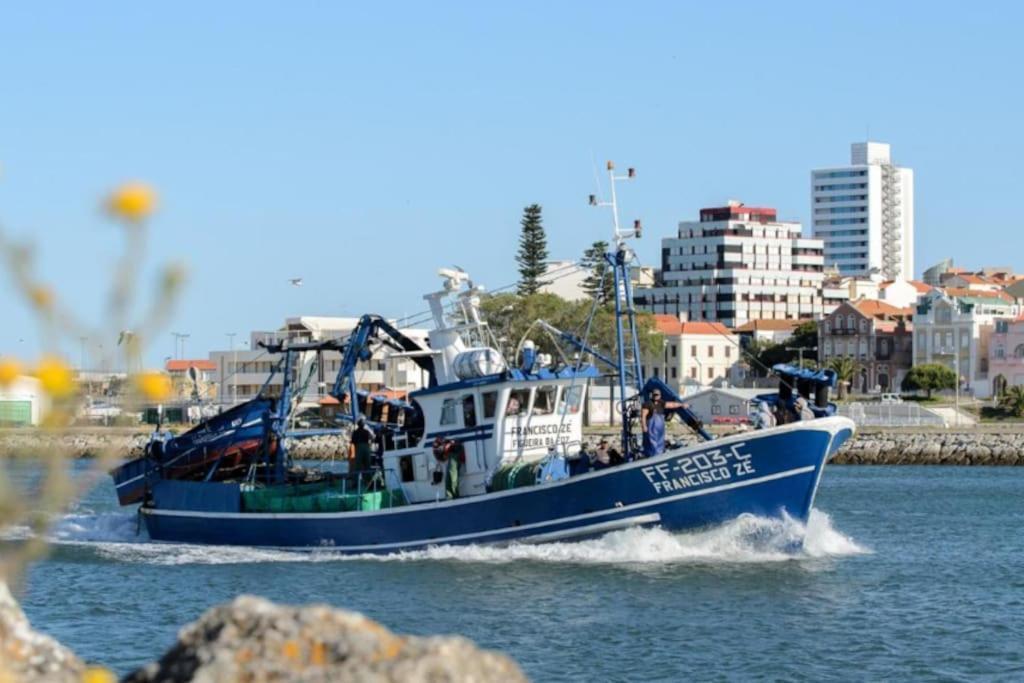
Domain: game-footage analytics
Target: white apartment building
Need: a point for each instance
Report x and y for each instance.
(738, 263)
(955, 332)
(241, 372)
(695, 355)
(864, 213)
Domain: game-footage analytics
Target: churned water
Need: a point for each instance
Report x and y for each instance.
(903, 573)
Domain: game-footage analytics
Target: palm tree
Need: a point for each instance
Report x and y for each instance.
(1012, 401)
(845, 368)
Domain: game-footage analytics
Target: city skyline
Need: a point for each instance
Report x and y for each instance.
(315, 141)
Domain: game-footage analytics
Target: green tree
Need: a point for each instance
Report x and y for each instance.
(599, 281)
(533, 251)
(1012, 401)
(845, 368)
(805, 336)
(764, 354)
(929, 377)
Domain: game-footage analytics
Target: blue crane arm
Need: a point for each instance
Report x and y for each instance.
(357, 348)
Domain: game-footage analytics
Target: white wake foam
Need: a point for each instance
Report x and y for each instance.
(747, 539)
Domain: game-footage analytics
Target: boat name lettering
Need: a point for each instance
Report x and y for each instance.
(535, 436)
(715, 465)
(534, 430)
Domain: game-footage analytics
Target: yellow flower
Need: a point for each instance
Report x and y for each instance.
(132, 202)
(41, 296)
(154, 385)
(97, 674)
(291, 650)
(55, 376)
(10, 369)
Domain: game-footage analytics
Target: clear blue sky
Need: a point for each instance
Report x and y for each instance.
(361, 146)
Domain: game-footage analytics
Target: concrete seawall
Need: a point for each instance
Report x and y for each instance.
(979, 446)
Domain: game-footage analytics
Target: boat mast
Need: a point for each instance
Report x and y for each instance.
(618, 257)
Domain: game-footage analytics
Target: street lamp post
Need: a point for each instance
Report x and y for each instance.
(800, 350)
(234, 367)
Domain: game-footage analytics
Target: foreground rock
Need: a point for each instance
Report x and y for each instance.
(252, 639)
(28, 656)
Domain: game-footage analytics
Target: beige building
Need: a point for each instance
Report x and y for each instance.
(695, 355)
(954, 328)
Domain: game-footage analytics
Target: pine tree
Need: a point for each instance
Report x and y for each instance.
(599, 281)
(533, 251)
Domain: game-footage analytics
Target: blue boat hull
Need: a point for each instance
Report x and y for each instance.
(768, 473)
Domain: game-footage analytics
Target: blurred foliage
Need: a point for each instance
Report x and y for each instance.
(129, 206)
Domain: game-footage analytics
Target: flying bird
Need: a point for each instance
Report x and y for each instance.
(296, 281)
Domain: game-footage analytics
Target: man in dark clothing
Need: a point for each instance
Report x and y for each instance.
(450, 455)
(361, 448)
(652, 422)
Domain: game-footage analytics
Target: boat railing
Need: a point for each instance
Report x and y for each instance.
(375, 475)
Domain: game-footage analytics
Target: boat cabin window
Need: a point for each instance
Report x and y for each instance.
(468, 411)
(448, 411)
(570, 402)
(405, 468)
(490, 403)
(518, 401)
(544, 401)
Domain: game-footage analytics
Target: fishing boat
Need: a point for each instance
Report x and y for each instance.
(491, 451)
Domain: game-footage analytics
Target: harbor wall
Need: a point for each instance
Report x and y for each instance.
(1002, 445)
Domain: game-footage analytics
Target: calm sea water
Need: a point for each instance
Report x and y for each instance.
(905, 573)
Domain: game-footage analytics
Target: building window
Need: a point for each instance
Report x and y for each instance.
(693, 372)
(734, 409)
(711, 373)
(711, 351)
(1019, 351)
(673, 347)
(693, 351)
(716, 410)
(673, 373)
(728, 352)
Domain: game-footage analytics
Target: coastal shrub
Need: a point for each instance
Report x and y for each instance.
(929, 377)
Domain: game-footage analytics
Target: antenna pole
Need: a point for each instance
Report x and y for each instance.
(618, 257)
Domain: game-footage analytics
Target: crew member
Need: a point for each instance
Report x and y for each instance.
(450, 455)
(360, 448)
(601, 457)
(652, 421)
(803, 409)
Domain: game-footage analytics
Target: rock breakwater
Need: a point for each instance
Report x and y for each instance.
(874, 447)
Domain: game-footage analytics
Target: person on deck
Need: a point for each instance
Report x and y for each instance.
(601, 458)
(450, 455)
(764, 418)
(803, 409)
(360, 448)
(652, 422)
